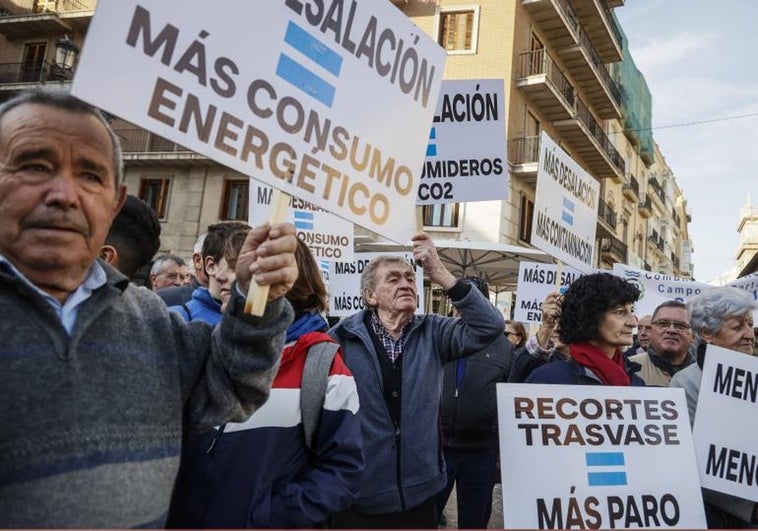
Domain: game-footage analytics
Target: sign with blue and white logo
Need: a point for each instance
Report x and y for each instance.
(330, 238)
(565, 208)
(466, 154)
(597, 457)
(345, 297)
(328, 101)
(656, 288)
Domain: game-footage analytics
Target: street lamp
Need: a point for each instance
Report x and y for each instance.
(65, 55)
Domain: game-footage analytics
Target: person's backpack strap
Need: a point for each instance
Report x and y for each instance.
(318, 362)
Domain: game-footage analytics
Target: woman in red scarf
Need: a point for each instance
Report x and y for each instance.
(597, 322)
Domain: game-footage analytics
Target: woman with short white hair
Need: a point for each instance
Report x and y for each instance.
(722, 317)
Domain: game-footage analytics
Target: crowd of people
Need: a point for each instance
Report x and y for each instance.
(168, 405)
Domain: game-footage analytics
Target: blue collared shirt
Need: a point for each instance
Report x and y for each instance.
(67, 311)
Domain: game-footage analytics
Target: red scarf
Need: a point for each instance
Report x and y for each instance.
(610, 370)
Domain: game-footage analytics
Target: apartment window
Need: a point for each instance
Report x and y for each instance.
(234, 205)
(457, 30)
(441, 215)
(525, 219)
(154, 192)
(33, 62)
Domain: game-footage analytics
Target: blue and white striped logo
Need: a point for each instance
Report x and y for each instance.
(605, 469)
(300, 76)
(431, 148)
(303, 220)
(568, 211)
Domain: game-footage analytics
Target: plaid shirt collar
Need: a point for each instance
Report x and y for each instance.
(394, 347)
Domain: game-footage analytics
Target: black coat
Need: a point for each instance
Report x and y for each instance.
(469, 413)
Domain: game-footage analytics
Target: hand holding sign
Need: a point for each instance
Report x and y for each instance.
(269, 254)
(425, 254)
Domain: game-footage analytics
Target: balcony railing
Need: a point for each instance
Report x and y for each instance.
(583, 113)
(135, 140)
(606, 213)
(12, 73)
(677, 219)
(524, 150)
(615, 247)
(539, 62)
(570, 13)
(600, 67)
(632, 185)
(16, 8)
(612, 23)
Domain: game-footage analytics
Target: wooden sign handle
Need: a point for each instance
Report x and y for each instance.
(257, 296)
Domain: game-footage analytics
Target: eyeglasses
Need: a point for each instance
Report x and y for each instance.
(512, 334)
(679, 326)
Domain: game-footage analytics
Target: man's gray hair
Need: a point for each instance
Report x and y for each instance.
(712, 307)
(159, 262)
(60, 99)
(368, 277)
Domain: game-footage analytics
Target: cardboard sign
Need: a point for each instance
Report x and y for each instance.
(466, 158)
(585, 456)
(725, 423)
(329, 237)
(535, 282)
(748, 283)
(345, 284)
(565, 208)
(656, 288)
(330, 102)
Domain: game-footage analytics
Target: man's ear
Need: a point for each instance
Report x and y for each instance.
(209, 265)
(368, 296)
(110, 255)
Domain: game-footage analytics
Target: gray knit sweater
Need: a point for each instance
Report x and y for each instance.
(91, 424)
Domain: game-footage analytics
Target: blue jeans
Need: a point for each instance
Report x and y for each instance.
(474, 473)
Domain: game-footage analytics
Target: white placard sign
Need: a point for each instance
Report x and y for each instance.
(725, 423)
(330, 238)
(565, 208)
(748, 283)
(466, 158)
(345, 284)
(586, 456)
(330, 103)
(656, 288)
(535, 282)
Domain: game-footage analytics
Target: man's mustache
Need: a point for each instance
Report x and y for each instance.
(72, 220)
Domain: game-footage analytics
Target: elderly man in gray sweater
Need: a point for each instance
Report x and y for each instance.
(99, 381)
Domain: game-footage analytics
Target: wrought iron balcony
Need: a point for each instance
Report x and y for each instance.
(545, 85)
(523, 154)
(15, 73)
(20, 8)
(606, 220)
(645, 206)
(631, 189)
(20, 19)
(615, 249)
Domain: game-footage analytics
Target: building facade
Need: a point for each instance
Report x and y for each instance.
(567, 72)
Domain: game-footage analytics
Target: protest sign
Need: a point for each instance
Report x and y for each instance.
(603, 457)
(466, 158)
(328, 237)
(565, 208)
(345, 284)
(656, 288)
(329, 102)
(535, 282)
(748, 283)
(724, 430)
